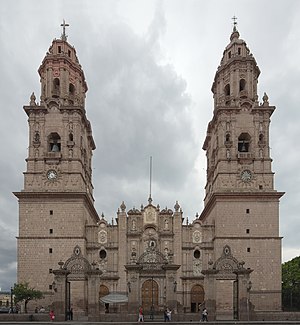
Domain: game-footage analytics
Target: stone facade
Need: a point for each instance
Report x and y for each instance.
(228, 258)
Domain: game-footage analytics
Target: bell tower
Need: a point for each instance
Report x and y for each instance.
(57, 201)
(241, 206)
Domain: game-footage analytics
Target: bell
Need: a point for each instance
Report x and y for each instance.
(55, 148)
(243, 147)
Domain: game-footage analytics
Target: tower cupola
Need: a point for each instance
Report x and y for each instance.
(237, 75)
(62, 78)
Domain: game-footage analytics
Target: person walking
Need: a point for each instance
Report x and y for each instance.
(52, 316)
(141, 314)
(204, 315)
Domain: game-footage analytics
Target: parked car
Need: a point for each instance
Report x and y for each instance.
(4, 310)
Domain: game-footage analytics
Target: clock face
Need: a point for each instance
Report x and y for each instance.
(246, 175)
(51, 175)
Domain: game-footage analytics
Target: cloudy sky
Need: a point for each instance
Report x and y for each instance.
(149, 66)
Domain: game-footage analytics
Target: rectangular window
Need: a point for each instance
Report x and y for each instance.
(50, 250)
(50, 286)
(248, 249)
(50, 270)
(51, 212)
(260, 187)
(247, 231)
(239, 51)
(51, 231)
(59, 49)
(247, 210)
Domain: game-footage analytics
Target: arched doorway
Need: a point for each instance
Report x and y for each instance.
(197, 297)
(150, 295)
(103, 291)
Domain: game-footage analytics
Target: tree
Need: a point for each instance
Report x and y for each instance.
(291, 284)
(22, 292)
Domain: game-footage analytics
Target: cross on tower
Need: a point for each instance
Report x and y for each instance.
(63, 35)
(234, 18)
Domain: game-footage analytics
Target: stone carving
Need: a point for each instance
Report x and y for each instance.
(102, 237)
(197, 236)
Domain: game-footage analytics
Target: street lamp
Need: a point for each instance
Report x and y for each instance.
(11, 299)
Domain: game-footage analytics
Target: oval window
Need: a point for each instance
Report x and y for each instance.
(197, 253)
(102, 254)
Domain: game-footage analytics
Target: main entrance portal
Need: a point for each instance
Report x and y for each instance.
(150, 295)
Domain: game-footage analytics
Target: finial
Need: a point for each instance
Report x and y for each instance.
(234, 18)
(63, 35)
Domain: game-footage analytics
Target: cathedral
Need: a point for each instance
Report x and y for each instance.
(227, 259)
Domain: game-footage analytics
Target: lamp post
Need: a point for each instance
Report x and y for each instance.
(11, 299)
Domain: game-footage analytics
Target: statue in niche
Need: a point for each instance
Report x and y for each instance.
(133, 225)
(166, 224)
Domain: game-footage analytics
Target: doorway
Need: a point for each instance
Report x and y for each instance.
(197, 297)
(150, 295)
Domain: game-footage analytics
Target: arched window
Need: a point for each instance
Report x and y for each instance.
(227, 90)
(244, 142)
(242, 84)
(56, 88)
(54, 144)
(71, 89)
(70, 136)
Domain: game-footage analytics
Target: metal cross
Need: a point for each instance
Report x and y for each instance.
(234, 18)
(63, 35)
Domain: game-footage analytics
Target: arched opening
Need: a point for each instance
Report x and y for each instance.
(103, 291)
(197, 297)
(242, 84)
(244, 142)
(71, 94)
(227, 90)
(54, 144)
(56, 88)
(150, 295)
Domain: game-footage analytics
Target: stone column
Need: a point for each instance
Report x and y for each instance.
(133, 288)
(171, 285)
(210, 291)
(93, 294)
(244, 304)
(59, 304)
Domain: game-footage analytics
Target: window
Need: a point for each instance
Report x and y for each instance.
(197, 254)
(50, 231)
(227, 90)
(239, 51)
(50, 286)
(50, 250)
(248, 249)
(242, 84)
(244, 142)
(247, 210)
(56, 88)
(102, 254)
(260, 187)
(54, 142)
(50, 271)
(59, 49)
(247, 231)
(229, 55)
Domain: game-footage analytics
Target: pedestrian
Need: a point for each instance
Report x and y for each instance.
(165, 315)
(71, 313)
(204, 315)
(141, 314)
(52, 316)
(169, 312)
